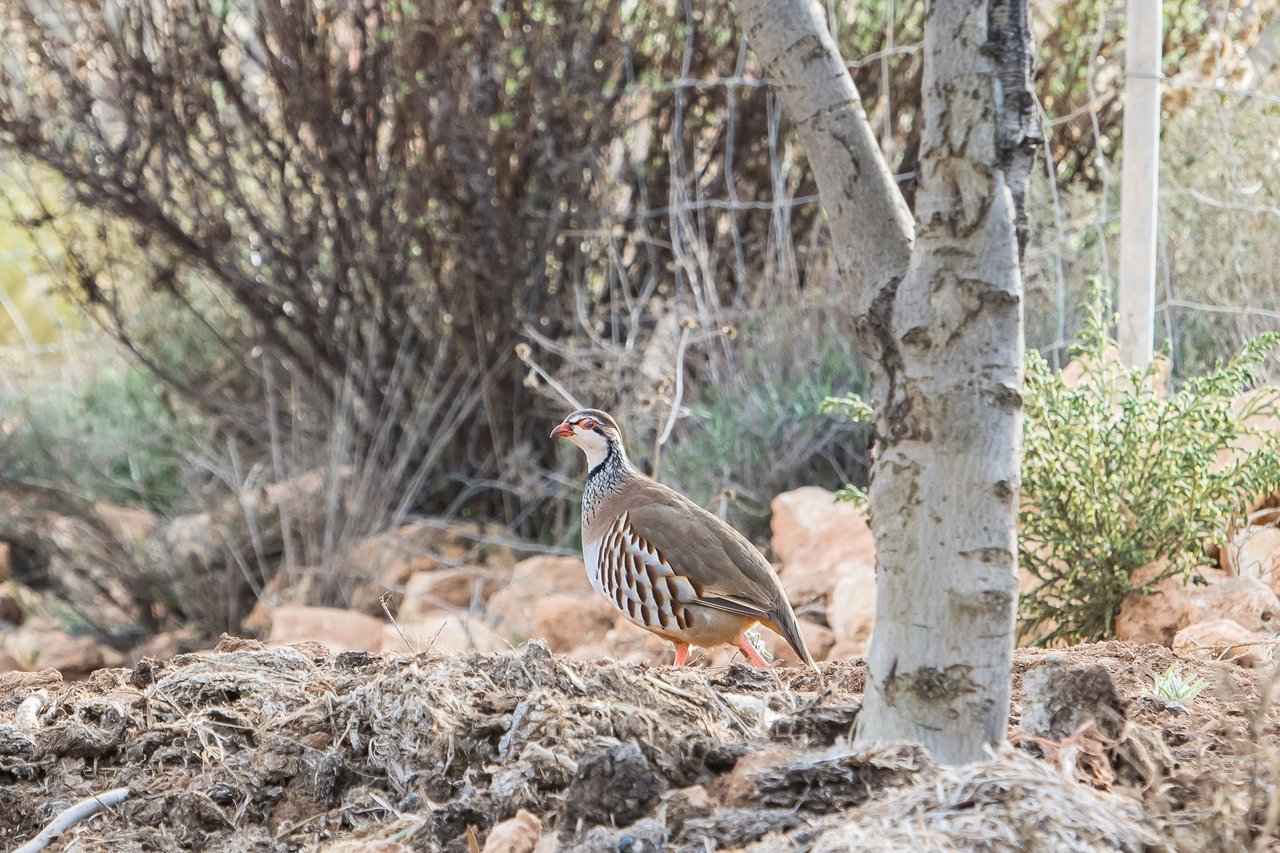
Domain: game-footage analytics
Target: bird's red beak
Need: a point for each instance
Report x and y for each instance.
(562, 431)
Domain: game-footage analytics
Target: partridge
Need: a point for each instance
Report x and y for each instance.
(666, 563)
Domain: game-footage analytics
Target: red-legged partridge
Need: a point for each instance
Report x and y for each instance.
(667, 564)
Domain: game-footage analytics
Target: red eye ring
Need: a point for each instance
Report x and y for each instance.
(587, 423)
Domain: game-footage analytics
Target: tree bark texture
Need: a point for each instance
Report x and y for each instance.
(940, 321)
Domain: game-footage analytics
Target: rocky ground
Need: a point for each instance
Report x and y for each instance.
(293, 747)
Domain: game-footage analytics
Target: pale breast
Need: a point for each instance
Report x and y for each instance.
(636, 577)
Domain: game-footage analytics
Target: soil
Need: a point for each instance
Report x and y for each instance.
(292, 748)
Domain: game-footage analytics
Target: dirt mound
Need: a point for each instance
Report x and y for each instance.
(254, 748)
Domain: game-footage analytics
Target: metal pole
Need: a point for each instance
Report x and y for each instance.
(1140, 183)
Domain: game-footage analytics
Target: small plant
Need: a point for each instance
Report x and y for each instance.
(1173, 685)
(858, 411)
(1116, 477)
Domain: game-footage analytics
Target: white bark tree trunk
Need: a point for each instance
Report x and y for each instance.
(941, 325)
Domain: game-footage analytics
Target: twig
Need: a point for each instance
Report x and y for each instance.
(685, 327)
(69, 817)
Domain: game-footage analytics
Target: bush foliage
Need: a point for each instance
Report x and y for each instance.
(1116, 476)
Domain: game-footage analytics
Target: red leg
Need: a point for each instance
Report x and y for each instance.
(682, 653)
(750, 651)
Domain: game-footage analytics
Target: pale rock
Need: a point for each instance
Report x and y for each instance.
(340, 630)
(1255, 553)
(851, 609)
(803, 516)
(844, 650)
(819, 639)
(11, 610)
(1263, 406)
(565, 619)
(130, 526)
(442, 632)
(1173, 604)
(519, 834)
(1224, 639)
(423, 546)
(821, 542)
(511, 608)
(432, 592)
(1154, 615)
(30, 650)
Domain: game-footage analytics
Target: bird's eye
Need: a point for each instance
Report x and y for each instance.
(587, 423)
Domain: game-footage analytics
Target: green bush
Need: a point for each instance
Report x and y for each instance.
(1115, 477)
(113, 436)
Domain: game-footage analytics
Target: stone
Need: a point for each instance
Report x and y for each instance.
(1225, 640)
(1060, 698)
(1261, 407)
(851, 609)
(613, 785)
(442, 632)
(843, 650)
(443, 589)
(819, 639)
(566, 620)
(519, 834)
(340, 630)
(423, 546)
(130, 525)
(820, 541)
(511, 608)
(1173, 604)
(805, 515)
(31, 649)
(1255, 553)
(11, 610)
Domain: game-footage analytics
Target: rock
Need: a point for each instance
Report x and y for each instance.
(643, 836)
(11, 610)
(519, 834)
(851, 610)
(130, 525)
(32, 649)
(808, 514)
(340, 630)
(164, 646)
(511, 608)
(423, 546)
(5, 571)
(442, 632)
(820, 542)
(1154, 615)
(1059, 698)
(1262, 406)
(1255, 553)
(566, 620)
(612, 785)
(818, 638)
(847, 651)
(431, 592)
(1173, 604)
(1224, 639)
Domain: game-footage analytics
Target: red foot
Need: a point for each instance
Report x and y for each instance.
(752, 655)
(682, 653)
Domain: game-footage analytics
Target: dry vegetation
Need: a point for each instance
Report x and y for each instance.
(249, 748)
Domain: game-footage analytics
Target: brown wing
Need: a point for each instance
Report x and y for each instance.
(723, 569)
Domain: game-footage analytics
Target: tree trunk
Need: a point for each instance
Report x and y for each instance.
(941, 324)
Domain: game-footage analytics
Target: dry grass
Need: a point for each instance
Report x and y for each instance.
(256, 748)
